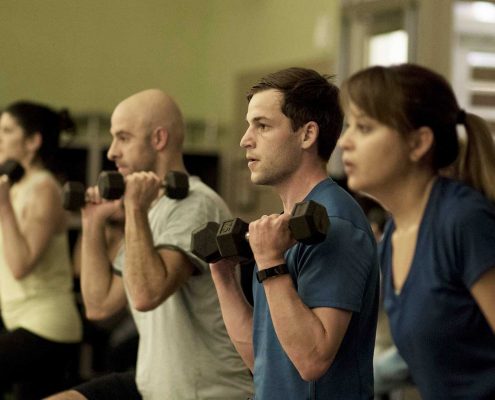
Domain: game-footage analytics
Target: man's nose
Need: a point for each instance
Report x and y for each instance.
(246, 140)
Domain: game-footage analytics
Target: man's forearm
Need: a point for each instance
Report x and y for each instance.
(96, 274)
(237, 313)
(145, 273)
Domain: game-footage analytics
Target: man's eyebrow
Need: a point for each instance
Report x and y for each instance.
(120, 133)
(258, 119)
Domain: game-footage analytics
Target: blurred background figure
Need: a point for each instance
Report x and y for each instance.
(39, 346)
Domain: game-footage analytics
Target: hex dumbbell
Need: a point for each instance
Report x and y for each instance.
(13, 169)
(204, 242)
(111, 185)
(211, 242)
(73, 195)
(205, 245)
(308, 224)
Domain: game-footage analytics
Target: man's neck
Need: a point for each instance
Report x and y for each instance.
(297, 186)
(167, 164)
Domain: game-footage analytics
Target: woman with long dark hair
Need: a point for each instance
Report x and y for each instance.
(37, 304)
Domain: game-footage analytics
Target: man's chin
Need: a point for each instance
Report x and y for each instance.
(260, 180)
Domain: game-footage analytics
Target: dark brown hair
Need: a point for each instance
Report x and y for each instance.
(33, 117)
(406, 97)
(308, 96)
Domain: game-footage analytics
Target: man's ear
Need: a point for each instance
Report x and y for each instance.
(310, 132)
(159, 138)
(420, 143)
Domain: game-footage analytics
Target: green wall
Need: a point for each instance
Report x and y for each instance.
(90, 54)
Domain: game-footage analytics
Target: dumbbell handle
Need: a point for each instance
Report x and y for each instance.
(211, 242)
(111, 185)
(205, 240)
(308, 224)
(294, 216)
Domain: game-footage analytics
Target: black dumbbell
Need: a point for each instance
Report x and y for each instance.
(309, 224)
(233, 239)
(111, 185)
(73, 196)
(13, 169)
(204, 242)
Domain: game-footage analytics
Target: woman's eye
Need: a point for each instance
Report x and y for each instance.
(364, 128)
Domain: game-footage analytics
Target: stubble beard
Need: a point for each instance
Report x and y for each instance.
(271, 177)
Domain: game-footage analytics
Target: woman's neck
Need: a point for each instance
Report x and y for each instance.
(408, 201)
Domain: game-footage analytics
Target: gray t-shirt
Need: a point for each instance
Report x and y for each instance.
(184, 349)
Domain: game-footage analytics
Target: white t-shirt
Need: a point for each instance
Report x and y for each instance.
(184, 349)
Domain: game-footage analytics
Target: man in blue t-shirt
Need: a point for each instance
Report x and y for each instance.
(311, 332)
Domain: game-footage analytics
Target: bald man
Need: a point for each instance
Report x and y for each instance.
(184, 350)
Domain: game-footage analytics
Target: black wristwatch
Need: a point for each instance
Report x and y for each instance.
(277, 270)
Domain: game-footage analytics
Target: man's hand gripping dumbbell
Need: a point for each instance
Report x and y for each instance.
(111, 186)
(211, 242)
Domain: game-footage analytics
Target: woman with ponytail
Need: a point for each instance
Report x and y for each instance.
(37, 304)
(409, 145)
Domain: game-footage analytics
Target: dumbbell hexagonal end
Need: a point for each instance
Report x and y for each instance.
(204, 243)
(13, 169)
(176, 185)
(231, 239)
(73, 196)
(111, 185)
(309, 223)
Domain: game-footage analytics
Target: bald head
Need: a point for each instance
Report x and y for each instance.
(151, 109)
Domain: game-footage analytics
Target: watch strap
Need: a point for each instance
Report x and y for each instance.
(277, 270)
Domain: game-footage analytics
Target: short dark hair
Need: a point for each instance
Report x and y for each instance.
(308, 96)
(34, 117)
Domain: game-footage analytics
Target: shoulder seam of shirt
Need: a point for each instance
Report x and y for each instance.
(349, 222)
(186, 253)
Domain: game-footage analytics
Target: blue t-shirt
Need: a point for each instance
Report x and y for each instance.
(340, 272)
(436, 323)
